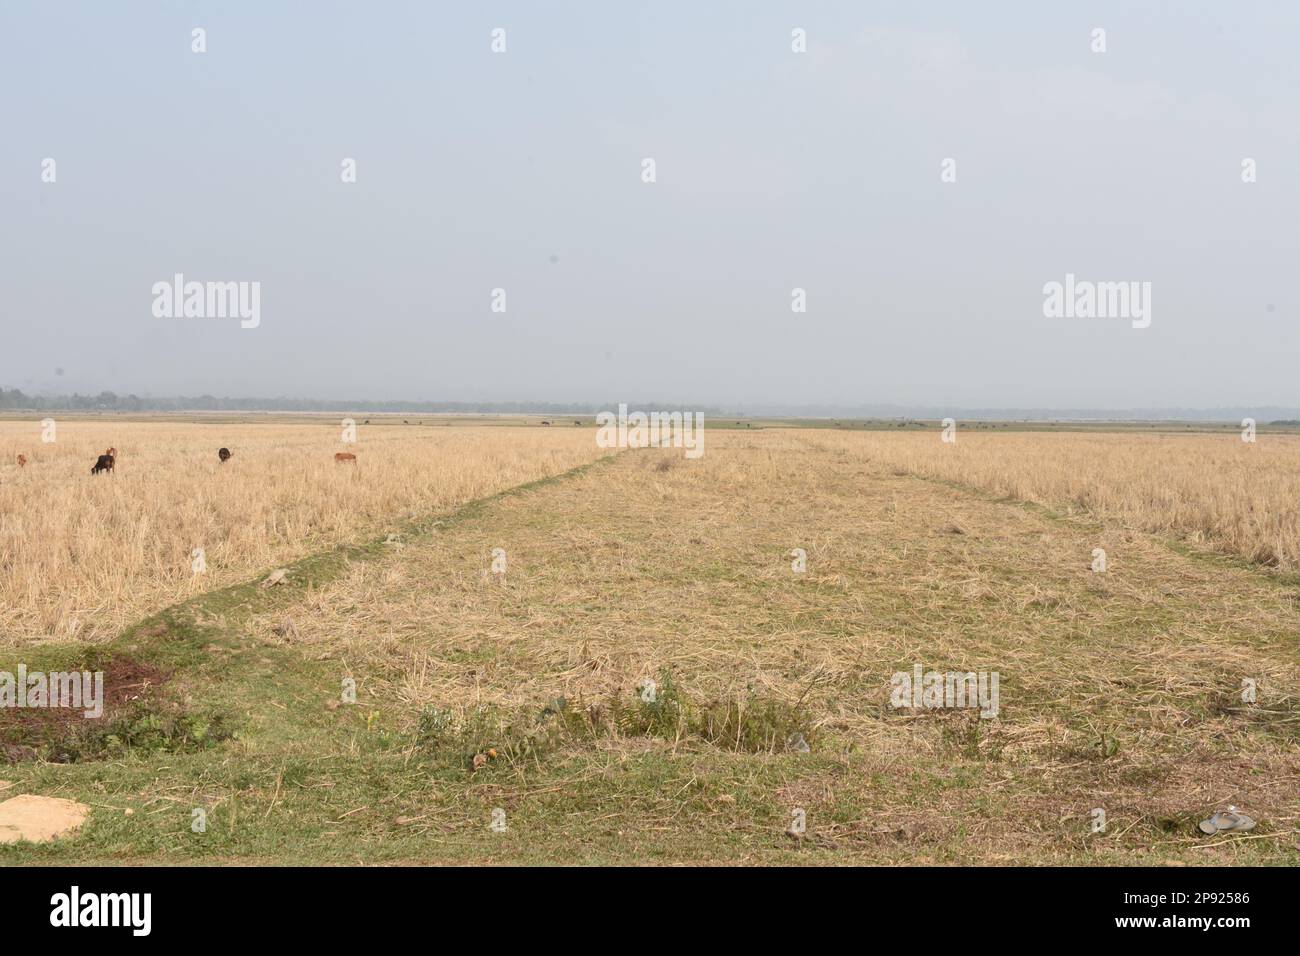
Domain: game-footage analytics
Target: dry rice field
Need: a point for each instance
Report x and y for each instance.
(1213, 490)
(521, 693)
(82, 556)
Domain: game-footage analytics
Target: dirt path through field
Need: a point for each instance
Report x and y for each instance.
(1120, 689)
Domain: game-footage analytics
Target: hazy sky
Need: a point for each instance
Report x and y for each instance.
(775, 170)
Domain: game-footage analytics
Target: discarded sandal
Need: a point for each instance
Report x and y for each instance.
(1226, 821)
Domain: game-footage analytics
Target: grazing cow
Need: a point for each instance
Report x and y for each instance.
(105, 463)
(545, 423)
(343, 457)
(22, 461)
(223, 454)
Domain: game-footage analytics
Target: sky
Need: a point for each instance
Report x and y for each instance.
(824, 170)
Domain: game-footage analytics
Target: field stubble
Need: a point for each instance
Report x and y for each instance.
(1119, 690)
(476, 691)
(82, 556)
(1209, 490)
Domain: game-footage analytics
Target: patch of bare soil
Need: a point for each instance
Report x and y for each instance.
(60, 733)
(38, 819)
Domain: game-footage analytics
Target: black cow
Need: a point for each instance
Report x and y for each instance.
(105, 463)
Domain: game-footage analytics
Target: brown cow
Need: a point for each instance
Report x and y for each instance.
(343, 457)
(22, 461)
(223, 454)
(105, 463)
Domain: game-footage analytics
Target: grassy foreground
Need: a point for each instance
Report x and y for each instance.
(1119, 691)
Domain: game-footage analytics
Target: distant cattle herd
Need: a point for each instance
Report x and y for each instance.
(106, 461)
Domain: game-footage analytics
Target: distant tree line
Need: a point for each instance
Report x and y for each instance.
(16, 399)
